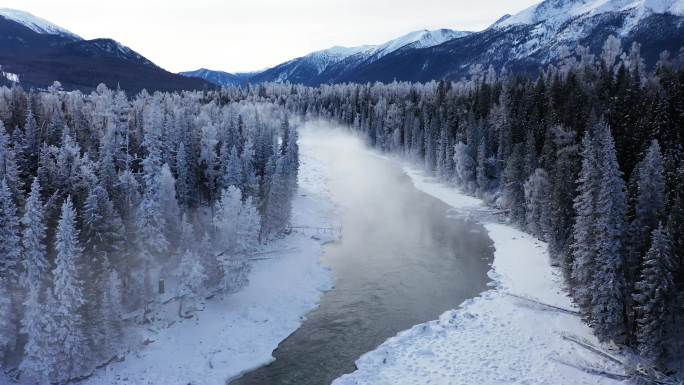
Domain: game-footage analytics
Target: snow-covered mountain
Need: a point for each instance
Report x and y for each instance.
(417, 39)
(220, 78)
(329, 64)
(36, 52)
(554, 13)
(525, 42)
(36, 24)
(542, 34)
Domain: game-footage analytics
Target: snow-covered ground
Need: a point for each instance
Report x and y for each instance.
(496, 338)
(238, 332)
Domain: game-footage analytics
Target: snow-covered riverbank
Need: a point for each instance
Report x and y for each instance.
(239, 332)
(496, 338)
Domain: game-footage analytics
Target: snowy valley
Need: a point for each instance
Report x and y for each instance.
(502, 206)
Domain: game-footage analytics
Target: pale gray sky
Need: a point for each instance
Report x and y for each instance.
(244, 35)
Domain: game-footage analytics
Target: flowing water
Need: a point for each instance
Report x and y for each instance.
(401, 261)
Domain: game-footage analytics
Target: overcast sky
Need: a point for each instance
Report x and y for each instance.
(244, 35)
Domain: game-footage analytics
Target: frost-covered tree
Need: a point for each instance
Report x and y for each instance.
(43, 353)
(111, 315)
(608, 302)
(250, 183)
(653, 292)
(482, 175)
(237, 232)
(464, 167)
(168, 204)
(277, 207)
(649, 207)
(8, 335)
(73, 360)
(584, 236)
(513, 185)
(149, 216)
(191, 277)
(36, 269)
(10, 239)
(182, 181)
(536, 201)
(31, 143)
(9, 169)
(208, 158)
(231, 169)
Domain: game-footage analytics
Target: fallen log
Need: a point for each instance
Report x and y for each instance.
(544, 305)
(647, 374)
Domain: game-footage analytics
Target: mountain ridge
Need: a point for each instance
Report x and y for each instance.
(37, 52)
(543, 34)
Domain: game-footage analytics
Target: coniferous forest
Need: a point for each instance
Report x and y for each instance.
(588, 156)
(105, 194)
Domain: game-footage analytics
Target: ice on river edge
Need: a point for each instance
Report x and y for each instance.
(239, 332)
(496, 338)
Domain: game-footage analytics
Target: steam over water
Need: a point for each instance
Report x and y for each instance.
(400, 262)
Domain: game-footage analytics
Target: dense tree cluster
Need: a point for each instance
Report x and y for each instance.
(102, 196)
(587, 157)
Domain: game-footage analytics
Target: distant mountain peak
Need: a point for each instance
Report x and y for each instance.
(36, 24)
(318, 62)
(423, 38)
(556, 12)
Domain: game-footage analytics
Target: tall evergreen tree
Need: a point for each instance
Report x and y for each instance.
(74, 360)
(608, 302)
(653, 292)
(36, 269)
(10, 239)
(584, 231)
(649, 207)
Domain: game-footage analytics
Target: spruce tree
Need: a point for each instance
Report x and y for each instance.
(649, 207)
(10, 239)
(74, 360)
(36, 270)
(653, 292)
(608, 302)
(584, 236)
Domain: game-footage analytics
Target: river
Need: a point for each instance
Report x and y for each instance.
(401, 261)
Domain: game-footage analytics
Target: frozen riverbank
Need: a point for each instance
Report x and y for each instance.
(496, 338)
(239, 332)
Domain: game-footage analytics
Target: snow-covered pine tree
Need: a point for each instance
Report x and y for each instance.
(464, 167)
(208, 159)
(36, 270)
(232, 170)
(10, 239)
(149, 216)
(482, 177)
(608, 302)
(8, 335)
(225, 213)
(169, 205)
(42, 357)
(277, 207)
(513, 189)
(249, 184)
(191, 277)
(10, 264)
(74, 360)
(536, 201)
(653, 293)
(648, 210)
(182, 182)
(111, 315)
(31, 144)
(9, 169)
(584, 234)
